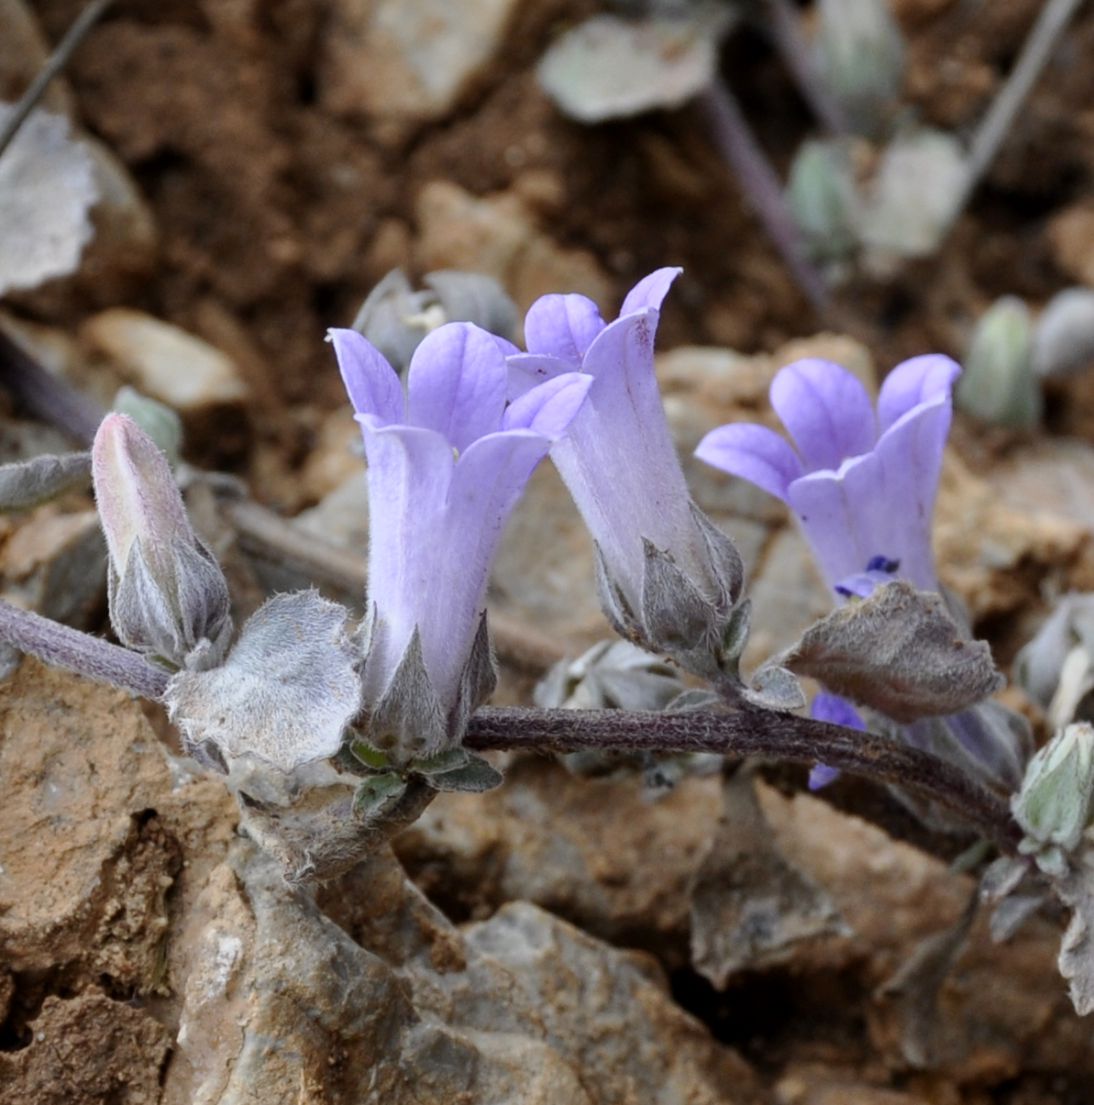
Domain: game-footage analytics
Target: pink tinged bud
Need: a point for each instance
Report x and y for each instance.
(168, 597)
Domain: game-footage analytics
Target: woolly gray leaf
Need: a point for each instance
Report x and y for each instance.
(472, 777)
(729, 569)
(47, 190)
(30, 482)
(408, 722)
(474, 297)
(609, 68)
(898, 652)
(377, 795)
(675, 615)
(285, 694)
(774, 688)
(1076, 960)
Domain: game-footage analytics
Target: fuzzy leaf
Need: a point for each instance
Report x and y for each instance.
(608, 67)
(774, 688)
(473, 777)
(47, 190)
(376, 796)
(285, 694)
(30, 482)
(1076, 961)
(898, 652)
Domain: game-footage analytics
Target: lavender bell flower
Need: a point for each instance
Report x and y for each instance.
(446, 465)
(862, 485)
(668, 578)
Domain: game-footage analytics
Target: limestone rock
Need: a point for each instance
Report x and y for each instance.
(499, 235)
(165, 362)
(390, 60)
(89, 1050)
(55, 564)
(540, 837)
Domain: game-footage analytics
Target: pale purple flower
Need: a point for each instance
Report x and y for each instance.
(621, 467)
(862, 484)
(446, 464)
(837, 710)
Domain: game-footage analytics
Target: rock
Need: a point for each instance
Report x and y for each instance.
(1071, 239)
(79, 781)
(818, 1085)
(126, 238)
(335, 456)
(549, 584)
(542, 837)
(411, 1010)
(55, 564)
(268, 966)
(90, 1050)
(995, 556)
(342, 515)
(499, 235)
(165, 362)
(787, 594)
(408, 63)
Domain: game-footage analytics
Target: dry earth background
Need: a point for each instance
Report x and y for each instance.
(269, 161)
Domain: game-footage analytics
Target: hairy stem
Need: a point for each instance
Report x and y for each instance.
(45, 396)
(82, 653)
(751, 732)
(786, 32)
(53, 66)
(742, 153)
(999, 120)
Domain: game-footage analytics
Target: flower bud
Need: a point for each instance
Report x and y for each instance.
(998, 384)
(395, 318)
(168, 597)
(862, 58)
(1056, 801)
(821, 195)
(1064, 341)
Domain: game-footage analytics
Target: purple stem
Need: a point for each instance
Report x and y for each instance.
(751, 732)
(47, 397)
(81, 653)
(742, 153)
(785, 23)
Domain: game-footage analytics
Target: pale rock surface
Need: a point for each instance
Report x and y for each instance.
(992, 549)
(499, 235)
(390, 60)
(250, 991)
(164, 361)
(126, 236)
(55, 564)
(377, 998)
